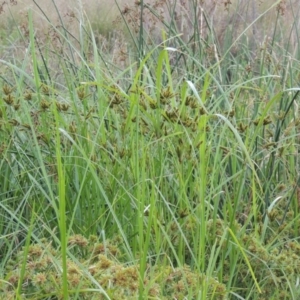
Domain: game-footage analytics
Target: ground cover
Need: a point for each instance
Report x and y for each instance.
(152, 158)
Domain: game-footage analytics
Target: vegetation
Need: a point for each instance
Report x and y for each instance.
(152, 158)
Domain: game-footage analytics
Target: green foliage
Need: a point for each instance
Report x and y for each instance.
(180, 156)
(99, 260)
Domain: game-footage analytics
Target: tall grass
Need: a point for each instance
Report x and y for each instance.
(145, 166)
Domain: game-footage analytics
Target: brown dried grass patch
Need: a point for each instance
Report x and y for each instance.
(218, 15)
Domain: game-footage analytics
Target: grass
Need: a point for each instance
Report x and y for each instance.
(143, 163)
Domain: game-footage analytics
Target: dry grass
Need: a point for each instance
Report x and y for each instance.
(235, 12)
(222, 16)
(221, 13)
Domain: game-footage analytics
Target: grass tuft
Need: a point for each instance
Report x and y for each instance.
(152, 155)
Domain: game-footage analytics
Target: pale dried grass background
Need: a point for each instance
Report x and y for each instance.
(103, 14)
(240, 13)
(101, 10)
